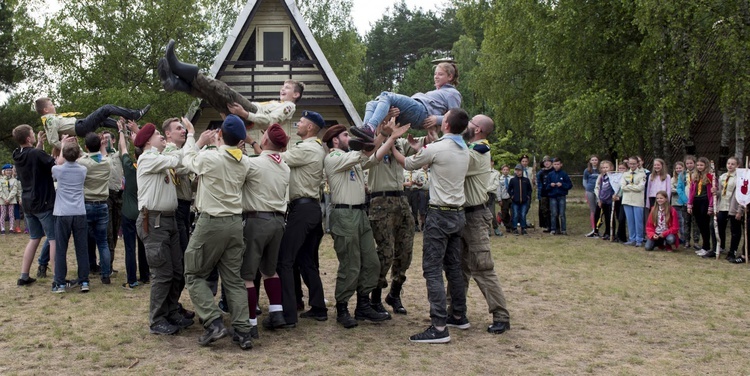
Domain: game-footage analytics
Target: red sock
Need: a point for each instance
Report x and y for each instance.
(273, 289)
(252, 301)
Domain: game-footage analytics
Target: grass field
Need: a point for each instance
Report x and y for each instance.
(578, 306)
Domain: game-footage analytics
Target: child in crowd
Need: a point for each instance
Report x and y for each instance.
(621, 235)
(701, 202)
(8, 198)
(726, 205)
(679, 197)
(558, 185)
(604, 193)
(662, 225)
(70, 215)
(502, 194)
(590, 176)
(528, 172)
(541, 193)
(519, 190)
(633, 184)
(659, 180)
(56, 125)
(691, 226)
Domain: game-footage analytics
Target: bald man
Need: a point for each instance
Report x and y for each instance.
(476, 255)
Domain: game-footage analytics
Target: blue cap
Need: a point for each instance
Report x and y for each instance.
(234, 126)
(315, 118)
(7, 166)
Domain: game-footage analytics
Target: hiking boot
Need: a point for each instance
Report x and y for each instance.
(364, 133)
(243, 339)
(213, 332)
(274, 320)
(364, 310)
(25, 282)
(343, 317)
(377, 304)
(315, 314)
(254, 332)
(393, 299)
(41, 271)
(188, 314)
(431, 335)
(460, 323)
(163, 328)
(498, 327)
(181, 321)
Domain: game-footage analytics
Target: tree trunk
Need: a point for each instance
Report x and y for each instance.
(726, 137)
(739, 132)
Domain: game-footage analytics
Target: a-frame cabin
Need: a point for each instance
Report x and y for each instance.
(271, 43)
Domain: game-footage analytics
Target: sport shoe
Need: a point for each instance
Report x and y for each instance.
(591, 234)
(243, 339)
(106, 281)
(214, 331)
(254, 332)
(274, 320)
(702, 252)
(314, 314)
(181, 322)
(431, 335)
(25, 282)
(84, 287)
(58, 289)
(163, 328)
(631, 243)
(41, 271)
(364, 133)
(130, 286)
(498, 327)
(498, 232)
(460, 323)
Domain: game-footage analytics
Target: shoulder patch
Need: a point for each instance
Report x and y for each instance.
(481, 147)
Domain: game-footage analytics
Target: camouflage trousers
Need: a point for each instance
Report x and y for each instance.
(218, 94)
(393, 229)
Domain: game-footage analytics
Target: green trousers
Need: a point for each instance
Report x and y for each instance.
(359, 265)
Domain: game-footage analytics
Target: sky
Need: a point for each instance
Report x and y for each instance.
(366, 12)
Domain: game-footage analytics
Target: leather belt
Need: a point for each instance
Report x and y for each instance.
(262, 215)
(474, 208)
(304, 200)
(95, 202)
(387, 194)
(446, 208)
(353, 207)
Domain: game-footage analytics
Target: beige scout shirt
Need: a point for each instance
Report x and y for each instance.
(115, 175)
(726, 190)
(56, 125)
(346, 177)
(387, 175)
(266, 183)
(156, 191)
(494, 181)
(96, 185)
(477, 178)
(448, 166)
(222, 176)
(271, 112)
(180, 175)
(305, 160)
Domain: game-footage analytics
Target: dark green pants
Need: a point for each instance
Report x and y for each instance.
(359, 265)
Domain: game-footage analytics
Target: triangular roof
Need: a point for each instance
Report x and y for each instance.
(241, 27)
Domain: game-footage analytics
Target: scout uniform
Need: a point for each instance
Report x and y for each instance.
(8, 198)
(65, 123)
(476, 255)
(95, 193)
(156, 227)
(492, 186)
(449, 161)
(180, 176)
(114, 200)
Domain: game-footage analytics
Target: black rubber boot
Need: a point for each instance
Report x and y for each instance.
(394, 299)
(169, 81)
(185, 71)
(377, 304)
(343, 317)
(364, 310)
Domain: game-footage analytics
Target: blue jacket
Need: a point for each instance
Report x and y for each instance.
(681, 190)
(589, 179)
(558, 177)
(519, 190)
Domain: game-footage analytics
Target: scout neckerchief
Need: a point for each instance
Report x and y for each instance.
(700, 186)
(726, 182)
(632, 176)
(64, 114)
(235, 153)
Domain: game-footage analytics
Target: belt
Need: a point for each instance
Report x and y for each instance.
(304, 200)
(262, 215)
(446, 208)
(387, 194)
(353, 207)
(161, 213)
(474, 208)
(95, 202)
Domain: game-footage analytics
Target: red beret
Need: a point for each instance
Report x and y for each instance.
(333, 132)
(144, 134)
(277, 135)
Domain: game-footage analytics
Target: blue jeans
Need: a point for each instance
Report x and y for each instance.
(44, 254)
(41, 224)
(557, 207)
(634, 216)
(651, 243)
(129, 238)
(97, 217)
(519, 214)
(412, 111)
(681, 217)
(64, 226)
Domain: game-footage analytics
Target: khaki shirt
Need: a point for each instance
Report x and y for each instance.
(156, 191)
(180, 174)
(726, 190)
(56, 125)
(305, 160)
(494, 181)
(266, 183)
(448, 166)
(222, 176)
(346, 177)
(271, 112)
(96, 185)
(633, 183)
(386, 174)
(477, 177)
(115, 168)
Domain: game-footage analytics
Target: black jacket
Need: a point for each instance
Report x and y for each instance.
(34, 169)
(519, 190)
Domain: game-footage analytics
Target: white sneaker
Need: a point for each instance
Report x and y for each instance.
(702, 252)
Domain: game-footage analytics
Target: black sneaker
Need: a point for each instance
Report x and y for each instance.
(163, 328)
(314, 314)
(213, 332)
(106, 281)
(25, 282)
(460, 323)
(498, 327)
(95, 269)
(243, 339)
(143, 112)
(41, 271)
(431, 335)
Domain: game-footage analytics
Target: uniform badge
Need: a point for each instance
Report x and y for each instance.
(387, 159)
(352, 175)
